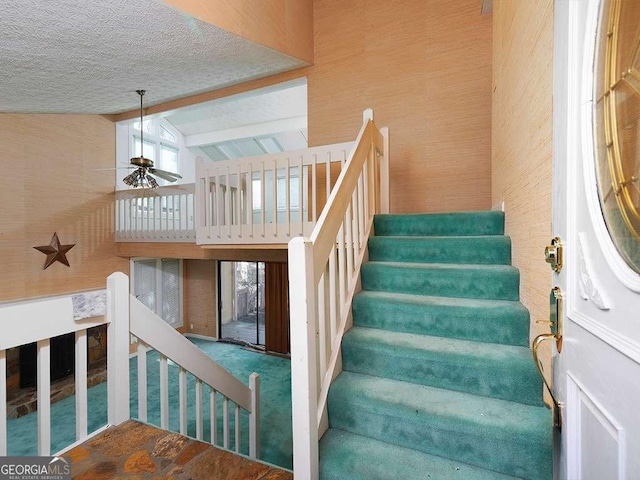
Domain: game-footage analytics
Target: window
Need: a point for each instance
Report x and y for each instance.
(166, 134)
(256, 194)
(168, 158)
(146, 125)
(157, 283)
(149, 149)
(294, 198)
(160, 145)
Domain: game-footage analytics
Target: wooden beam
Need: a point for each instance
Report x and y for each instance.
(213, 95)
(191, 251)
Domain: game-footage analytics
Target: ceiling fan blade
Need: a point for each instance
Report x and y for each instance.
(169, 176)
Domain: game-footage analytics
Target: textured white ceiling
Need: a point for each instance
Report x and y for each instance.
(257, 107)
(89, 56)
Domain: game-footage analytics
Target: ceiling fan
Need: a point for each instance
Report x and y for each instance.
(141, 176)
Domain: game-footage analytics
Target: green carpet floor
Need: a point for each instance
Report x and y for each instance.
(276, 442)
(438, 380)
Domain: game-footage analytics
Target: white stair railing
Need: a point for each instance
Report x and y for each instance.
(323, 278)
(128, 315)
(39, 320)
(266, 199)
(164, 214)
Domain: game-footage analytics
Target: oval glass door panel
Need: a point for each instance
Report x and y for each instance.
(617, 124)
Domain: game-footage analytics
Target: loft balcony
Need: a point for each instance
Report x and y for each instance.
(262, 201)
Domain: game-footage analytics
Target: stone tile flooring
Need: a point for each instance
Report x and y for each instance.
(134, 450)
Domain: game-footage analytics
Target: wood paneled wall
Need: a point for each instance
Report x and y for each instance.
(522, 139)
(424, 66)
(200, 294)
(283, 25)
(49, 183)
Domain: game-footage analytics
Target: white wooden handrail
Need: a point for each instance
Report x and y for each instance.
(39, 320)
(163, 338)
(323, 278)
(127, 314)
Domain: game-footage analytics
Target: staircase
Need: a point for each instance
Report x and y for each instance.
(438, 380)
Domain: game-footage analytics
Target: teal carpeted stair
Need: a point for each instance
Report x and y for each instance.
(438, 380)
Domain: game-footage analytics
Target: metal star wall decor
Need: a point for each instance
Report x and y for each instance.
(55, 252)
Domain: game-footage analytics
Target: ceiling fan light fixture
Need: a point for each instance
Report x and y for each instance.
(141, 176)
(139, 179)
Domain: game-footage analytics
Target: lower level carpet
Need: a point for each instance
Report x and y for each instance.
(276, 443)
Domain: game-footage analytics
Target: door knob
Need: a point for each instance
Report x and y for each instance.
(553, 254)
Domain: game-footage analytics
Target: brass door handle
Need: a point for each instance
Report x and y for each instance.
(555, 325)
(557, 419)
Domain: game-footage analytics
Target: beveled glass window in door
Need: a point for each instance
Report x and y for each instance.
(617, 124)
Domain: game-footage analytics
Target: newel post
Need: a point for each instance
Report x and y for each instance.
(304, 386)
(117, 348)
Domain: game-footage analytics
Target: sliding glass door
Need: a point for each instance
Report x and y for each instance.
(241, 294)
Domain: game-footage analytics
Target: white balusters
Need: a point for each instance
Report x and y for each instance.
(81, 384)
(141, 357)
(323, 281)
(43, 384)
(274, 195)
(322, 328)
(172, 346)
(164, 214)
(182, 387)
(199, 415)
(333, 295)
(225, 422)
(164, 392)
(213, 402)
(237, 432)
(40, 320)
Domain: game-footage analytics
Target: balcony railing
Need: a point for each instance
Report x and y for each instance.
(165, 214)
(266, 199)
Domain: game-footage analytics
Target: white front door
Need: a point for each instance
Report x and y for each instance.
(597, 374)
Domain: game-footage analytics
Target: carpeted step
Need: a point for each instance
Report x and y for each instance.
(498, 371)
(497, 282)
(486, 249)
(498, 435)
(489, 321)
(440, 224)
(346, 456)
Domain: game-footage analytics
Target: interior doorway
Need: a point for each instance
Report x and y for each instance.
(241, 306)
